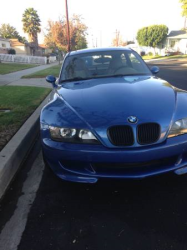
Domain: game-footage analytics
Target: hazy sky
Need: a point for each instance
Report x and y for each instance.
(102, 17)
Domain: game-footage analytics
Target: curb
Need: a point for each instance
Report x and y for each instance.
(159, 59)
(16, 150)
(166, 59)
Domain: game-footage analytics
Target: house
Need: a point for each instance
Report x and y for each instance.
(44, 49)
(29, 49)
(177, 41)
(20, 48)
(4, 45)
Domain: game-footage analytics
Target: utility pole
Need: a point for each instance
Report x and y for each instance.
(117, 38)
(185, 23)
(100, 38)
(67, 22)
(96, 42)
(92, 41)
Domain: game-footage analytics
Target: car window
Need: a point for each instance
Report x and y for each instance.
(123, 59)
(136, 64)
(105, 63)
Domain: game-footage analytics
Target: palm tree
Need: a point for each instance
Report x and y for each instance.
(31, 26)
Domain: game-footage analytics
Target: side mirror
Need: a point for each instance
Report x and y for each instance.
(51, 79)
(155, 70)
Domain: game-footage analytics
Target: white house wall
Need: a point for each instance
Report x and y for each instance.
(180, 45)
(183, 46)
(4, 44)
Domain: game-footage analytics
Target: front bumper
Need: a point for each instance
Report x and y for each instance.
(87, 163)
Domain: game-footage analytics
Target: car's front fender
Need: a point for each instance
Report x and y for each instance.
(57, 113)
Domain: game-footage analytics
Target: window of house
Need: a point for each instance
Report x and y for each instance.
(3, 45)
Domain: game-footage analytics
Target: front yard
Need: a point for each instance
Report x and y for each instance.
(6, 68)
(54, 70)
(19, 103)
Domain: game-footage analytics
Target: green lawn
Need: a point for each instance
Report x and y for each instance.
(164, 57)
(21, 101)
(152, 57)
(6, 68)
(54, 70)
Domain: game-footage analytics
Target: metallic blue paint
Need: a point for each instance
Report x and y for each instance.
(51, 79)
(97, 104)
(155, 70)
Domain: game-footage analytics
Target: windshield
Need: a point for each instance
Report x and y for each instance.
(103, 64)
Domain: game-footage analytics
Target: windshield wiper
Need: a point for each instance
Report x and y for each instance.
(95, 77)
(119, 75)
(75, 79)
(123, 75)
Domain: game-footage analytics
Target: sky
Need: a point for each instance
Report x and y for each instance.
(102, 17)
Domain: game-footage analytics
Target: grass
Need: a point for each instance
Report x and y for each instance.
(21, 101)
(6, 68)
(43, 73)
(152, 57)
(164, 57)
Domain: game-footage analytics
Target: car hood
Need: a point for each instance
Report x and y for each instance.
(110, 101)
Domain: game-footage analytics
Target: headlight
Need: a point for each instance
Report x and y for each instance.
(178, 128)
(86, 135)
(72, 135)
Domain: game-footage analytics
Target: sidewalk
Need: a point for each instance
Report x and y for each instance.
(34, 82)
(16, 150)
(14, 77)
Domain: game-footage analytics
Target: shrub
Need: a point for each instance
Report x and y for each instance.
(150, 54)
(11, 51)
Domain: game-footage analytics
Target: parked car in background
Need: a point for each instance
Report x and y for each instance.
(171, 52)
(110, 117)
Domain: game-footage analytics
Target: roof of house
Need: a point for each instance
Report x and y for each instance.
(43, 46)
(14, 42)
(181, 34)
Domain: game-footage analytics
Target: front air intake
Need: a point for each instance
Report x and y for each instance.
(148, 133)
(121, 135)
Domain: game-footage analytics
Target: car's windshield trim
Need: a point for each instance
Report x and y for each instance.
(97, 77)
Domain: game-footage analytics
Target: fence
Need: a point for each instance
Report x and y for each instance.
(52, 59)
(23, 59)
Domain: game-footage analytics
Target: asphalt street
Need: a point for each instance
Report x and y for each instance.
(41, 212)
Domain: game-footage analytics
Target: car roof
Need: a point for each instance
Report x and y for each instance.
(98, 50)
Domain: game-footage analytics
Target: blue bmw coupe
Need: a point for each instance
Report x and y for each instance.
(109, 116)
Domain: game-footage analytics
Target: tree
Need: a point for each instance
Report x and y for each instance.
(118, 41)
(11, 51)
(184, 11)
(56, 37)
(31, 25)
(184, 7)
(152, 36)
(7, 31)
(77, 33)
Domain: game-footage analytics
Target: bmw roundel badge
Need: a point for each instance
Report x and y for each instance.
(132, 119)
